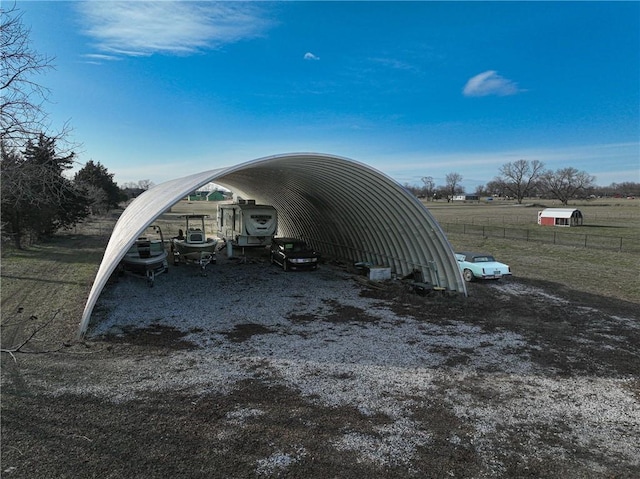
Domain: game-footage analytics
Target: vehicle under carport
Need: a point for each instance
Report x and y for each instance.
(342, 208)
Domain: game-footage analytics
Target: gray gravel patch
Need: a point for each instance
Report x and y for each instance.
(376, 361)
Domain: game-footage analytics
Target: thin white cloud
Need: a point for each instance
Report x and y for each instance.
(98, 58)
(490, 83)
(393, 63)
(169, 27)
(310, 56)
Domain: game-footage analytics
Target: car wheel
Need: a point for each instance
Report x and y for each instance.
(467, 275)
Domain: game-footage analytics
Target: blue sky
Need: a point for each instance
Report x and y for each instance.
(157, 90)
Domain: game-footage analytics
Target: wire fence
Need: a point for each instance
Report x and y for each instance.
(547, 235)
(103, 226)
(622, 218)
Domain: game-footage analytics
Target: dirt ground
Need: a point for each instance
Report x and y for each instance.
(253, 372)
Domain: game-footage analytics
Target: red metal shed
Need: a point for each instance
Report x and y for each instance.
(560, 217)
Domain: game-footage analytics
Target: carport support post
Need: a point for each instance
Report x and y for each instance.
(229, 249)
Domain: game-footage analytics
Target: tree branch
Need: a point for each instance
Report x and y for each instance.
(18, 349)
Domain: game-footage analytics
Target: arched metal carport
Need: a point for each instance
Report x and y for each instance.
(343, 208)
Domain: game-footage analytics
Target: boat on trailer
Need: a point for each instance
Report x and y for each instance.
(193, 245)
(147, 257)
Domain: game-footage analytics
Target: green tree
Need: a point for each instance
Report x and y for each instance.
(37, 199)
(565, 183)
(99, 184)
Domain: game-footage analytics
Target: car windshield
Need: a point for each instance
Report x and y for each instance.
(295, 247)
(483, 259)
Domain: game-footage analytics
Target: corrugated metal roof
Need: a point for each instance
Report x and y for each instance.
(341, 207)
(559, 212)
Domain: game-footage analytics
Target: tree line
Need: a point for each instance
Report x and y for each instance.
(38, 199)
(527, 179)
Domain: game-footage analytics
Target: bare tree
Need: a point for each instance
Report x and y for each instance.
(519, 177)
(453, 181)
(429, 187)
(98, 198)
(21, 114)
(480, 191)
(565, 183)
(145, 184)
(496, 187)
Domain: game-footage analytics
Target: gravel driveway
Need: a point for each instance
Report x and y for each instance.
(254, 372)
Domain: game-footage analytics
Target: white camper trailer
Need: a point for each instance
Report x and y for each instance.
(247, 224)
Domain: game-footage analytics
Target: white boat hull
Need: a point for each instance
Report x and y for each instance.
(195, 250)
(136, 263)
(198, 253)
(193, 246)
(146, 260)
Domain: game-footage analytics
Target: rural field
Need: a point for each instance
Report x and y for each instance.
(251, 372)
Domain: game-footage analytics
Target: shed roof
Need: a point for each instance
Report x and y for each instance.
(560, 212)
(341, 207)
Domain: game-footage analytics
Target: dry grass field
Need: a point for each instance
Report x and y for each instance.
(253, 372)
(595, 270)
